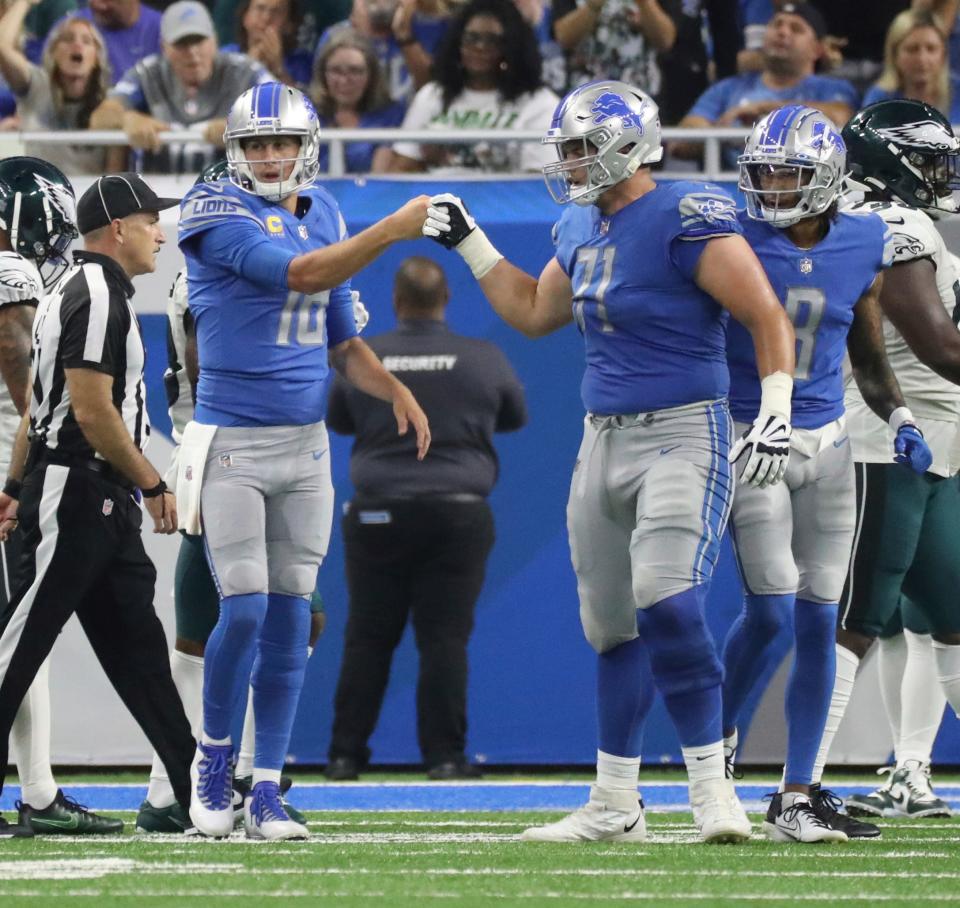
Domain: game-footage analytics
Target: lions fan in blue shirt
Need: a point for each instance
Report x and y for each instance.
(268, 271)
(793, 541)
(648, 273)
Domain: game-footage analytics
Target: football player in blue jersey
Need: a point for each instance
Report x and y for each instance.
(793, 541)
(268, 270)
(648, 272)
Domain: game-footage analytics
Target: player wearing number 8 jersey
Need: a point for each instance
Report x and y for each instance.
(648, 272)
(793, 541)
(268, 269)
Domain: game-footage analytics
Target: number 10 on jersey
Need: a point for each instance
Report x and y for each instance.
(309, 328)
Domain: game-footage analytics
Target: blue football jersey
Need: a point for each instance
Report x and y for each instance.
(262, 347)
(653, 338)
(819, 288)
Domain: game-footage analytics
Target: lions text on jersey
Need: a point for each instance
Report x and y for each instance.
(263, 347)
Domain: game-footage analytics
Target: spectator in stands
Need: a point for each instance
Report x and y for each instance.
(915, 65)
(130, 29)
(315, 17)
(190, 84)
(616, 39)
(61, 93)
(487, 77)
(349, 90)
(539, 15)
(405, 35)
(685, 69)
(267, 32)
(40, 21)
(792, 45)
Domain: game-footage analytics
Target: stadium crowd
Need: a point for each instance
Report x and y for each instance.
(447, 65)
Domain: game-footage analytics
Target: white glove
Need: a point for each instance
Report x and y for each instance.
(360, 314)
(767, 446)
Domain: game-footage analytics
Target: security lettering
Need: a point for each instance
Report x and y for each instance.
(440, 362)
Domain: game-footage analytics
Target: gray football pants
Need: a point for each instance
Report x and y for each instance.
(648, 505)
(267, 508)
(796, 536)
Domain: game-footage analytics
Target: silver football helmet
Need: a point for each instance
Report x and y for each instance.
(612, 128)
(273, 109)
(800, 155)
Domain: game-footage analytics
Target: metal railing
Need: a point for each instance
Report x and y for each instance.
(14, 142)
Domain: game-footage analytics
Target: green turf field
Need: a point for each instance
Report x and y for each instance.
(473, 859)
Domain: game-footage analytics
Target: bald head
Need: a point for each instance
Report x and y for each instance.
(420, 289)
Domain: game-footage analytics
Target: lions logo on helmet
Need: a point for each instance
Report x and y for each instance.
(273, 109)
(792, 166)
(603, 132)
(905, 150)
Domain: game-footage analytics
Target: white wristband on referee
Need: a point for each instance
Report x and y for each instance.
(900, 416)
(479, 253)
(776, 392)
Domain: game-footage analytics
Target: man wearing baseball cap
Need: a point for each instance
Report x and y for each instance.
(78, 476)
(792, 45)
(189, 84)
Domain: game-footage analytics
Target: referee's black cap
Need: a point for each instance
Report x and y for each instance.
(117, 195)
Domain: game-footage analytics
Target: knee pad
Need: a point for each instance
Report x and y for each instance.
(241, 577)
(682, 653)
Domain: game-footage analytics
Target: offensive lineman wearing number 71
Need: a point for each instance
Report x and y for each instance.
(268, 269)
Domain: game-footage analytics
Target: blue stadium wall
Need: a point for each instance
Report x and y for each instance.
(531, 696)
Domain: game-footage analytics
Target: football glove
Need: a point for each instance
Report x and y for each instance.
(911, 450)
(448, 221)
(360, 314)
(767, 446)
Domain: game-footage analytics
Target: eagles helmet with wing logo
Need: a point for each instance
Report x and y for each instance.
(38, 211)
(907, 150)
(213, 173)
(792, 166)
(603, 132)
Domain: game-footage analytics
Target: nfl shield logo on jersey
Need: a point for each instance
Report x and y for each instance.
(188, 472)
(806, 265)
(302, 230)
(107, 507)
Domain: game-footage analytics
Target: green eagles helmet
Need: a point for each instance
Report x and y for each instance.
(212, 173)
(906, 150)
(38, 212)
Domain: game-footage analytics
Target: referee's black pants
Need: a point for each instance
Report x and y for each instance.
(83, 554)
(425, 558)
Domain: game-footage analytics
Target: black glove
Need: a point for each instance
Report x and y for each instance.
(448, 221)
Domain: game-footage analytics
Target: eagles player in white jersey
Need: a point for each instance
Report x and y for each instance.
(905, 157)
(37, 225)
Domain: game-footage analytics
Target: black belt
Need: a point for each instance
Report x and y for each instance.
(425, 498)
(43, 454)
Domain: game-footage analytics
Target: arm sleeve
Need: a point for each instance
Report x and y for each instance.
(243, 248)
(92, 336)
(339, 417)
(129, 91)
(341, 325)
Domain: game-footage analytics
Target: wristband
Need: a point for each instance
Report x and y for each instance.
(478, 252)
(900, 416)
(776, 391)
(12, 488)
(158, 489)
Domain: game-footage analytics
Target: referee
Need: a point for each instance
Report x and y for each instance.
(77, 476)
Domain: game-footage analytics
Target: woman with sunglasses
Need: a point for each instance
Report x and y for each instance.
(486, 75)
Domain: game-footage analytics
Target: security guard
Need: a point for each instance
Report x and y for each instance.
(417, 534)
(77, 489)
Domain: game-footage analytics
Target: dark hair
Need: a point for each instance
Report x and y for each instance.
(377, 93)
(420, 286)
(521, 52)
(288, 37)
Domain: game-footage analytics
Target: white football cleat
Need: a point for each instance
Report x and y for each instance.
(717, 812)
(609, 816)
(211, 794)
(791, 818)
(264, 816)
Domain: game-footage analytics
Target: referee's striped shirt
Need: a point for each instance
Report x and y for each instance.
(87, 322)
